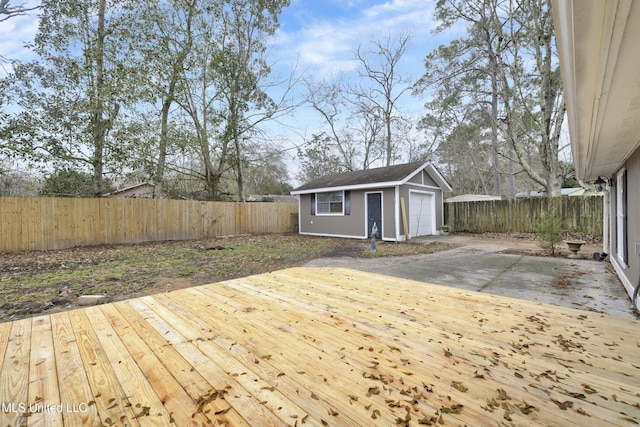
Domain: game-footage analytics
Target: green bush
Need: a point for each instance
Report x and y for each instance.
(550, 230)
(68, 183)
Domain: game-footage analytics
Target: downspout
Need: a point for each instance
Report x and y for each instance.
(606, 229)
(634, 298)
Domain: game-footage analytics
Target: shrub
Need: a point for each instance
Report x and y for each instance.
(550, 230)
(68, 183)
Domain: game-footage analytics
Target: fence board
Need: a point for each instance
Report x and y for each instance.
(56, 223)
(579, 215)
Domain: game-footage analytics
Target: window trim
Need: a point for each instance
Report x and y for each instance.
(621, 218)
(345, 203)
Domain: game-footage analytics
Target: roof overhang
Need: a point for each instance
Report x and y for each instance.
(349, 187)
(433, 172)
(598, 50)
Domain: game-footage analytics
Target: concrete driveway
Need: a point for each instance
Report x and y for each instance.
(480, 266)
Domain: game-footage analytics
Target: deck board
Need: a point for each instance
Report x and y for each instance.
(15, 372)
(321, 346)
(71, 373)
(43, 378)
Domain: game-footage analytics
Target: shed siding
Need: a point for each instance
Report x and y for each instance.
(355, 225)
(423, 178)
(404, 192)
(388, 213)
(334, 225)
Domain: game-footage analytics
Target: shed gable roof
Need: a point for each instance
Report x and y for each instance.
(377, 177)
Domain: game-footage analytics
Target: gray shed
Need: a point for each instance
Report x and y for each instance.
(349, 204)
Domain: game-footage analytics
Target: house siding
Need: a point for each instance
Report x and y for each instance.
(629, 273)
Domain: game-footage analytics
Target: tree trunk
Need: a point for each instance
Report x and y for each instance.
(495, 150)
(166, 106)
(162, 148)
(98, 124)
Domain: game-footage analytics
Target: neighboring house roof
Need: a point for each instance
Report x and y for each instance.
(563, 192)
(586, 192)
(598, 51)
(569, 191)
(472, 198)
(276, 198)
(373, 178)
(144, 189)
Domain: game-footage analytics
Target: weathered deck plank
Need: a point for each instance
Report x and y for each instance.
(314, 347)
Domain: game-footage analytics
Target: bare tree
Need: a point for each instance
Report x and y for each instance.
(327, 99)
(363, 123)
(466, 71)
(7, 11)
(380, 84)
(227, 86)
(536, 124)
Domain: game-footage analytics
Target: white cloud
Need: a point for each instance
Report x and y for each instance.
(15, 32)
(326, 42)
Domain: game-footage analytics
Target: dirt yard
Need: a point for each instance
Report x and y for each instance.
(33, 283)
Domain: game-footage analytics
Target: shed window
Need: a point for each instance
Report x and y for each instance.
(331, 203)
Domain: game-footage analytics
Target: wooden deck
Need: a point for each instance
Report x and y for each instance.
(321, 347)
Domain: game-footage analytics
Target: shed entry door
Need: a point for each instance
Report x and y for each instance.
(421, 214)
(374, 213)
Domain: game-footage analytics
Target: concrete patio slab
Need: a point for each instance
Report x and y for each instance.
(575, 283)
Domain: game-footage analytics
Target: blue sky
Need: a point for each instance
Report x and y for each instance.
(325, 34)
(320, 36)
(16, 31)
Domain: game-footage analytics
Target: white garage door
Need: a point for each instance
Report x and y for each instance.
(421, 214)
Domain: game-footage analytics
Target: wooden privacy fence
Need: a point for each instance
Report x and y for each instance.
(578, 215)
(56, 223)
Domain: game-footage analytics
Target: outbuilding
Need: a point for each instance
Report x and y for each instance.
(402, 201)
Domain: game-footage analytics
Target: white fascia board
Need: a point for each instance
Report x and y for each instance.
(373, 185)
(345, 236)
(415, 172)
(396, 207)
(433, 173)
